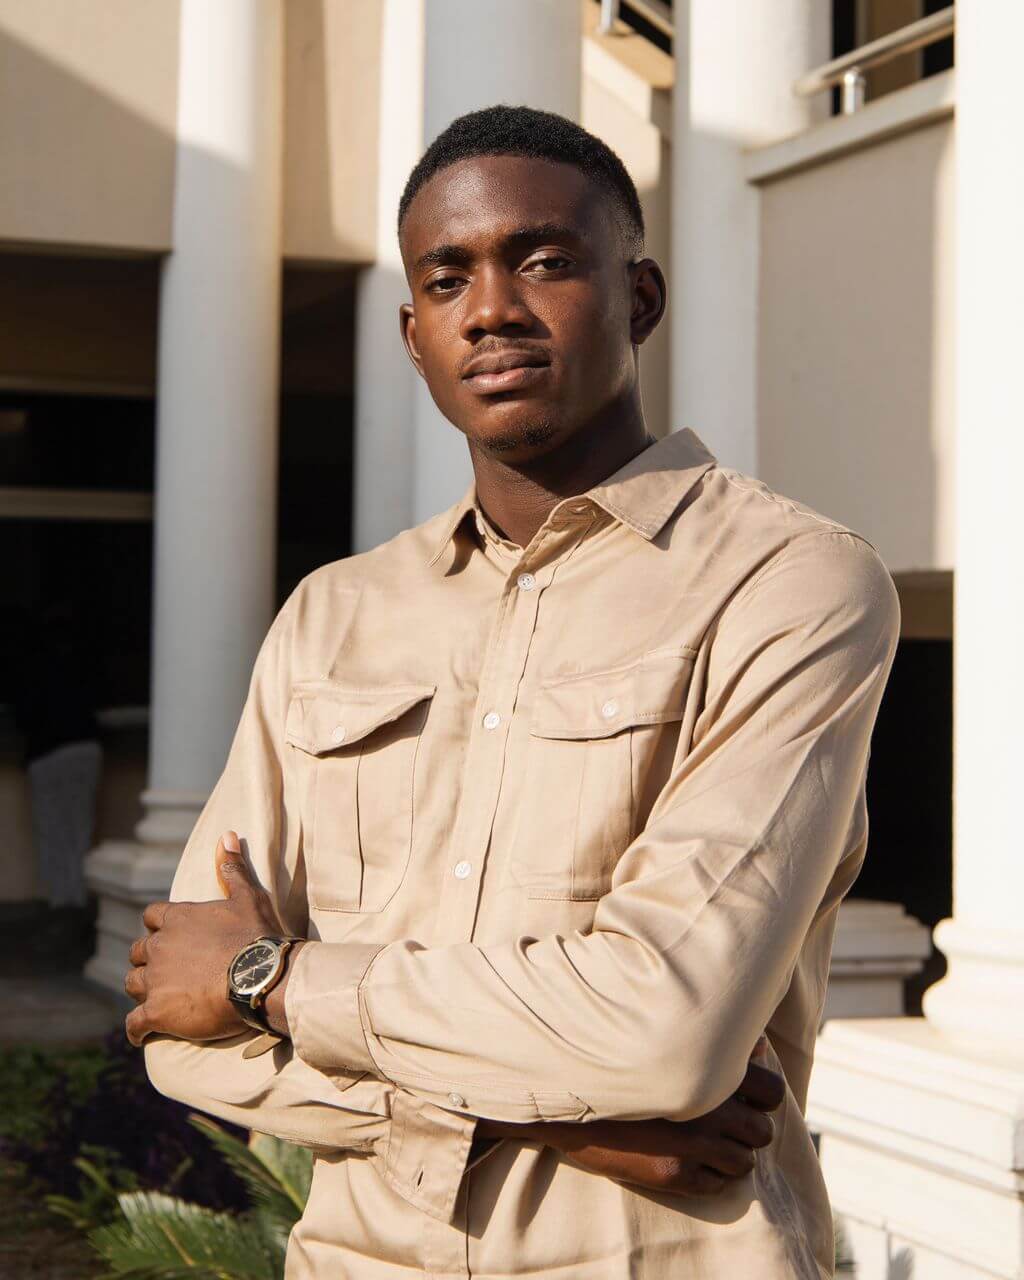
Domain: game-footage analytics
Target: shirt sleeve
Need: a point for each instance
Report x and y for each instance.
(758, 831)
(277, 1092)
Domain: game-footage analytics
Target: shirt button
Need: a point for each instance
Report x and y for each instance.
(610, 709)
(526, 582)
(338, 733)
(461, 870)
(492, 720)
(456, 1099)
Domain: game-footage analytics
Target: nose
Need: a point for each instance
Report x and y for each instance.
(494, 305)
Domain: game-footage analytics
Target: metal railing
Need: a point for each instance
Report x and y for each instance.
(659, 15)
(848, 70)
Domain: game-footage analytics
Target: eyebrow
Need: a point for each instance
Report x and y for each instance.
(460, 256)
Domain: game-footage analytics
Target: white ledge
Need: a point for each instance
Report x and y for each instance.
(915, 107)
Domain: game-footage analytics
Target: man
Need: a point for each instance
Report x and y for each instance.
(559, 793)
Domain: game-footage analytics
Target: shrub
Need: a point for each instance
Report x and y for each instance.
(160, 1237)
(98, 1103)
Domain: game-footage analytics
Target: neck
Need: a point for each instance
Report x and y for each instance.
(518, 498)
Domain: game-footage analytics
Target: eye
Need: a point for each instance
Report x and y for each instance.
(443, 284)
(547, 264)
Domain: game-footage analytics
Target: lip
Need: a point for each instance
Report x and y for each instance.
(512, 379)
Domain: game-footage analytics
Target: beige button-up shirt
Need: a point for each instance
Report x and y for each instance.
(569, 825)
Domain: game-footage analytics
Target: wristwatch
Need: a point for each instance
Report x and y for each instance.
(252, 975)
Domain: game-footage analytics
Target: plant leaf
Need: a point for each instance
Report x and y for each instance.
(291, 1165)
(277, 1173)
(162, 1238)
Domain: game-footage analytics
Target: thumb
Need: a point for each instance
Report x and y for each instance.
(232, 872)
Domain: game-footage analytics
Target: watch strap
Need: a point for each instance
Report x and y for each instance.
(262, 1044)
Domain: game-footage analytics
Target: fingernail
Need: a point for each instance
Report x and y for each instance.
(230, 842)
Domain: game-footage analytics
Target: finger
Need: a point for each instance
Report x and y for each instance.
(744, 1123)
(135, 984)
(154, 915)
(762, 1088)
(731, 1159)
(232, 872)
(137, 951)
(136, 1026)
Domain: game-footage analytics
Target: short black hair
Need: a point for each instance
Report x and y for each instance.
(536, 135)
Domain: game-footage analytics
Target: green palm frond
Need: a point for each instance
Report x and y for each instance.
(101, 1183)
(291, 1165)
(277, 1173)
(161, 1238)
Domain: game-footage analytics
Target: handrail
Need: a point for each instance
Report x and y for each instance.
(848, 70)
(658, 14)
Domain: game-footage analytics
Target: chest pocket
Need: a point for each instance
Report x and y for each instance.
(594, 739)
(356, 771)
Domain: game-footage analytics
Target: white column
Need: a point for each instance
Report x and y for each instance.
(923, 1119)
(385, 381)
(479, 53)
(736, 61)
(877, 947)
(984, 942)
(411, 462)
(216, 468)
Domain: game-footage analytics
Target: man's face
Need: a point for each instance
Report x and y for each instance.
(523, 316)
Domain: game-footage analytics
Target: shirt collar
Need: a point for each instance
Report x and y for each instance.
(645, 492)
(642, 494)
(456, 515)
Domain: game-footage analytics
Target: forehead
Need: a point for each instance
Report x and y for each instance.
(477, 201)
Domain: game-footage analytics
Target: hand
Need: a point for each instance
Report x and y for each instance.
(179, 973)
(689, 1158)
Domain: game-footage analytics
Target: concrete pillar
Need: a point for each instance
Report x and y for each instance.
(984, 942)
(216, 469)
(475, 53)
(923, 1119)
(877, 947)
(736, 61)
(385, 382)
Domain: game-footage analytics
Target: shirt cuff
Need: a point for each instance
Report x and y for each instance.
(427, 1154)
(321, 1002)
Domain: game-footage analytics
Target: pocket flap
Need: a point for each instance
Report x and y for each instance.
(325, 716)
(597, 704)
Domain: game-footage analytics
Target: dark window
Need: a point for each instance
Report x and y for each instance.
(95, 574)
(314, 520)
(76, 442)
(910, 784)
(939, 56)
(876, 20)
(642, 26)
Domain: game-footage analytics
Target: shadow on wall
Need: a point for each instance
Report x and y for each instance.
(855, 342)
(88, 104)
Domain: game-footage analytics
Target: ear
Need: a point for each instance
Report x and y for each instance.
(650, 294)
(407, 323)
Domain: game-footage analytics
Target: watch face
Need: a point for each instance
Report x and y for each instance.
(252, 967)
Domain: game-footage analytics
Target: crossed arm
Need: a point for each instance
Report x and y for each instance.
(654, 1012)
(178, 977)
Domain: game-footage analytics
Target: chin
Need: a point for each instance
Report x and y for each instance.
(522, 438)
